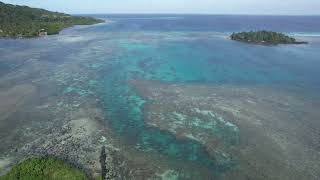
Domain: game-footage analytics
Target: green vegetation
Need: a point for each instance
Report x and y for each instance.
(40, 168)
(264, 37)
(23, 21)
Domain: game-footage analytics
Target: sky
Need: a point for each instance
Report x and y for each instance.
(262, 7)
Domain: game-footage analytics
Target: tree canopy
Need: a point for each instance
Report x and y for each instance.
(265, 37)
(23, 21)
(39, 168)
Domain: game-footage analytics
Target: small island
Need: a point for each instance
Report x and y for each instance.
(264, 37)
(22, 21)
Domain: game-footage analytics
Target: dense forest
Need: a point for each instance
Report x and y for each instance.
(264, 37)
(23, 21)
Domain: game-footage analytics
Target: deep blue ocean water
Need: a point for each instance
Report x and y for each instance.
(216, 23)
(183, 49)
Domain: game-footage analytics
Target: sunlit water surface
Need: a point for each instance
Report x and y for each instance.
(176, 49)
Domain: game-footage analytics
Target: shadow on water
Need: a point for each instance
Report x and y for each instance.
(124, 110)
(177, 62)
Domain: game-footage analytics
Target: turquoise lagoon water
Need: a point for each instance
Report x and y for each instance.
(178, 49)
(142, 60)
(187, 59)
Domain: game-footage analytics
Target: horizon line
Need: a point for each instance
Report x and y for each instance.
(217, 14)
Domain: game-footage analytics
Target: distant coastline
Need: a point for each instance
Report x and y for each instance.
(25, 22)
